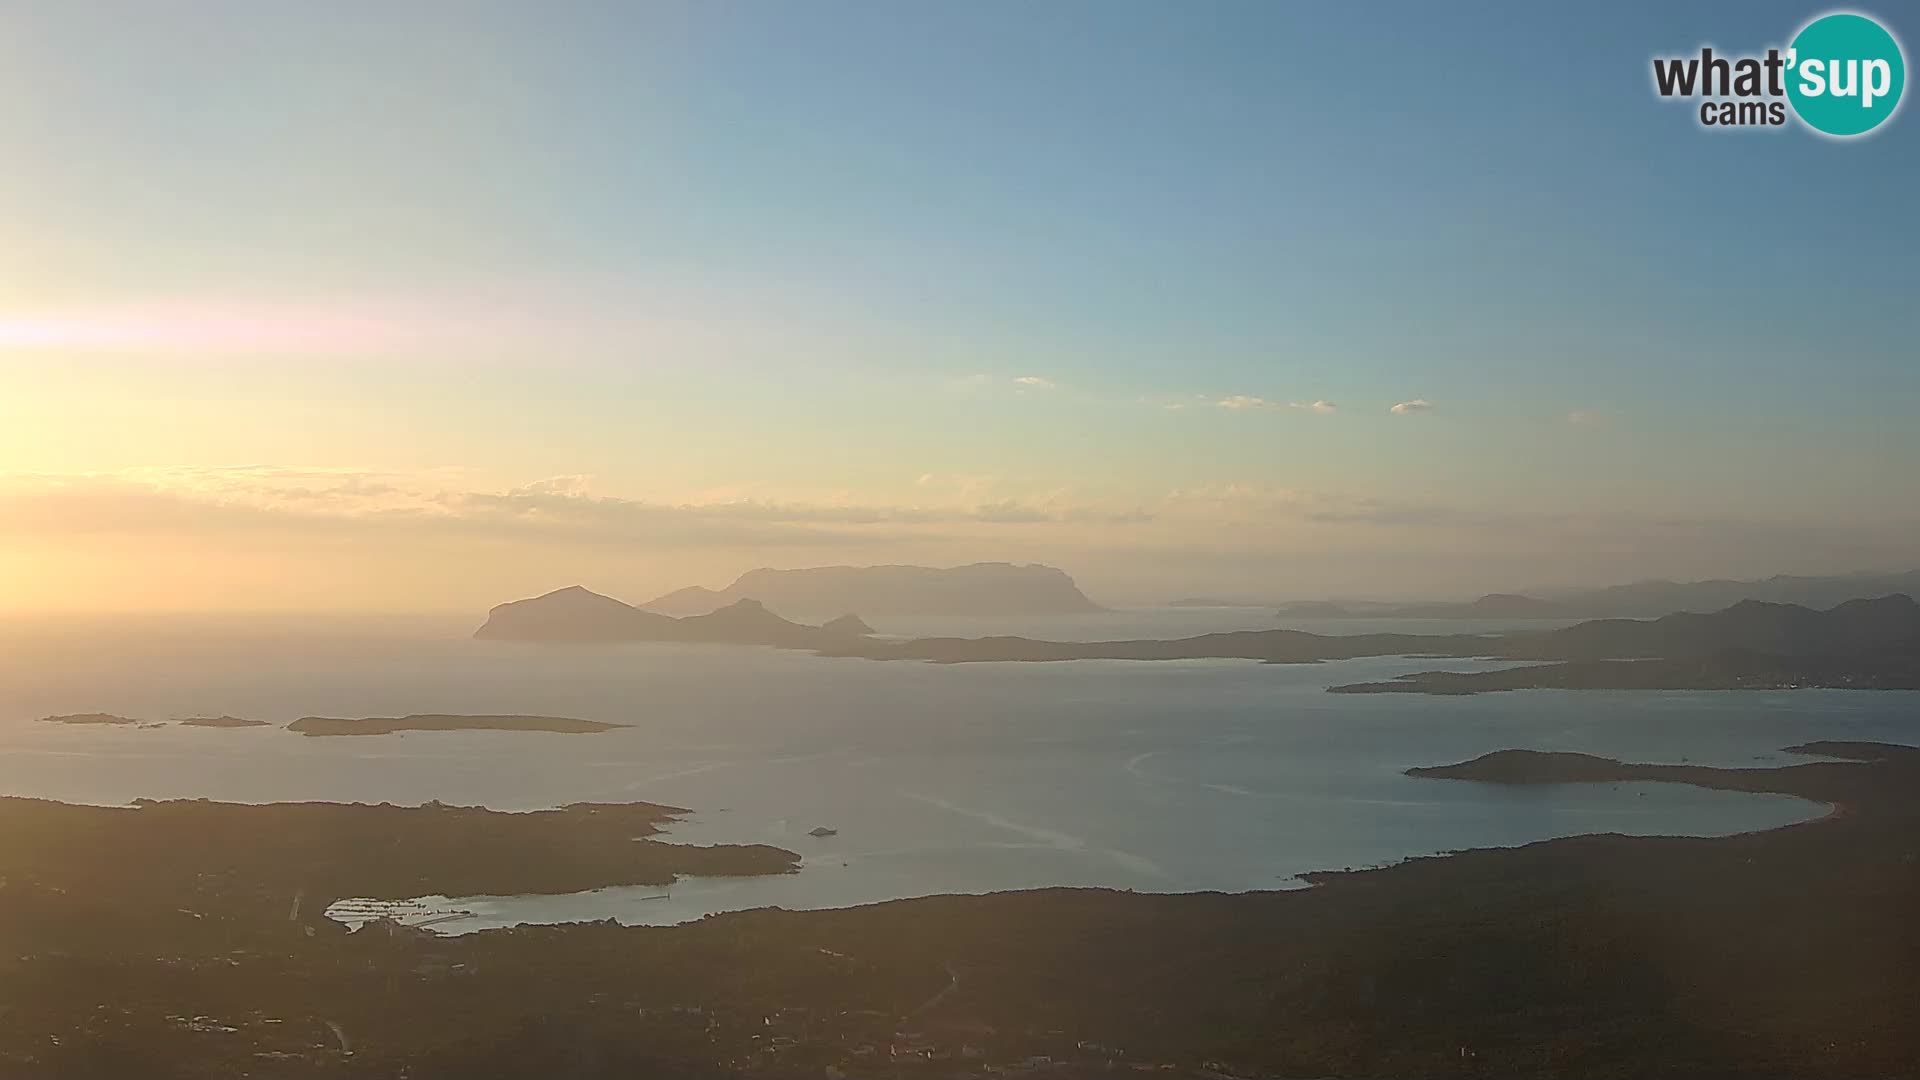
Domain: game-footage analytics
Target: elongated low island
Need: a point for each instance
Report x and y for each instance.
(388, 725)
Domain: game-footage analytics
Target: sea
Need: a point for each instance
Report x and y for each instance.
(1162, 776)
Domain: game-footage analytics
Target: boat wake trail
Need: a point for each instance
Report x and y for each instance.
(1053, 838)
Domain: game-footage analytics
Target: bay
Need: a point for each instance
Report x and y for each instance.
(1163, 776)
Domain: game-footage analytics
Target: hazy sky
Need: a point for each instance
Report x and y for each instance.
(429, 305)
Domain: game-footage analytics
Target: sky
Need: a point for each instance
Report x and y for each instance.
(363, 306)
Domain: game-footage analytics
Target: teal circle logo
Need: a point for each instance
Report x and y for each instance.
(1845, 73)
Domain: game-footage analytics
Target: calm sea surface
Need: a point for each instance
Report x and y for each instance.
(1166, 776)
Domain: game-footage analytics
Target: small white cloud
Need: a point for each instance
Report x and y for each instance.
(1322, 406)
(1586, 418)
(1244, 401)
(1417, 405)
(1035, 382)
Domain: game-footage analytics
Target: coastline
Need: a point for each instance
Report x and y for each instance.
(1630, 953)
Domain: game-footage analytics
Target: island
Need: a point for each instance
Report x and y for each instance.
(852, 626)
(220, 722)
(1829, 782)
(387, 725)
(1491, 606)
(84, 719)
(1216, 602)
(1861, 644)
(992, 588)
(1864, 644)
(575, 615)
(1268, 646)
(189, 938)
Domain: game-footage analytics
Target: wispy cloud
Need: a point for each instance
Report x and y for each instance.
(1248, 401)
(1417, 405)
(1244, 401)
(1586, 418)
(210, 501)
(253, 498)
(985, 385)
(359, 524)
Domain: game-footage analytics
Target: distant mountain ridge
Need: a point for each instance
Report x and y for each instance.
(1643, 599)
(1875, 632)
(1867, 644)
(1852, 628)
(1860, 644)
(974, 589)
(578, 615)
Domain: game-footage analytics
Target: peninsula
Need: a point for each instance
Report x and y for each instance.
(1643, 599)
(1733, 669)
(1778, 953)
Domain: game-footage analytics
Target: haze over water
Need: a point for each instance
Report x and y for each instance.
(1211, 775)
